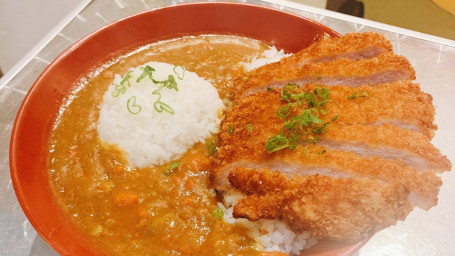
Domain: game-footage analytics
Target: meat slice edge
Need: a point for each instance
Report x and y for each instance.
(385, 68)
(335, 208)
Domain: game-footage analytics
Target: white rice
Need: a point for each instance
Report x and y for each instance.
(151, 138)
(271, 235)
(268, 56)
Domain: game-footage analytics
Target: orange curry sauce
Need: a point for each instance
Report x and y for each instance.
(146, 211)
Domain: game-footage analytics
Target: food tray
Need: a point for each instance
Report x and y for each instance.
(423, 233)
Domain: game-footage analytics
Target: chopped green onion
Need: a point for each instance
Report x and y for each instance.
(121, 88)
(212, 148)
(269, 89)
(179, 71)
(171, 168)
(231, 129)
(287, 91)
(358, 94)
(284, 111)
(307, 126)
(276, 143)
(132, 107)
(146, 71)
(118, 89)
(217, 213)
(334, 118)
(126, 78)
(161, 106)
(172, 84)
(174, 165)
(249, 127)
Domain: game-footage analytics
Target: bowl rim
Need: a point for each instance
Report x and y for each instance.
(14, 144)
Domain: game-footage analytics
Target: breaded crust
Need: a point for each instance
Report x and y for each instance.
(401, 103)
(335, 208)
(390, 141)
(385, 68)
(310, 161)
(353, 46)
(362, 158)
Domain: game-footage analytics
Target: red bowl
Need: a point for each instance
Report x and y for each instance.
(28, 152)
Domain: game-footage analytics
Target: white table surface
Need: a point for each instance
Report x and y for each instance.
(426, 233)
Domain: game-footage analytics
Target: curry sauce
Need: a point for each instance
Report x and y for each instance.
(166, 210)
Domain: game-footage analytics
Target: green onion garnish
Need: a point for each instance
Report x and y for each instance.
(179, 71)
(132, 107)
(174, 165)
(121, 88)
(358, 94)
(283, 112)
(170, 83)
(231, 129)
(212, 148)
(276, 143)
(217, 213)
(159, 105)
(249, 127)
(307, 126)
(146, 71)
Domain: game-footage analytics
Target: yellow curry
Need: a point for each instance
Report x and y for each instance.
(168, 210)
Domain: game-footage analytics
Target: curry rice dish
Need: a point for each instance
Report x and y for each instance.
(332, 142)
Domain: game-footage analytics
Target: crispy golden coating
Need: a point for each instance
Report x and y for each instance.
(335, 208)
(369, 165)
(388, 140)
(385, 68)
(424, 186)
(353, 46)
(400, 103)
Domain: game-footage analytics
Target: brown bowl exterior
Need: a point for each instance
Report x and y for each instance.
(29, 141)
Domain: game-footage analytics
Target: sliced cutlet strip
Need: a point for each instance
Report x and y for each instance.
(352, 46)
(400, 103)
(385, 68)
(386, 141)
(424, 186)
(335, 208)
(252, 121)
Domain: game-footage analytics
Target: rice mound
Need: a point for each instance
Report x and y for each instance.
(129, 116)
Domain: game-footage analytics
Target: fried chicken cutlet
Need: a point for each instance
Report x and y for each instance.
(349, 149)
(331, 140)
(335, 208)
